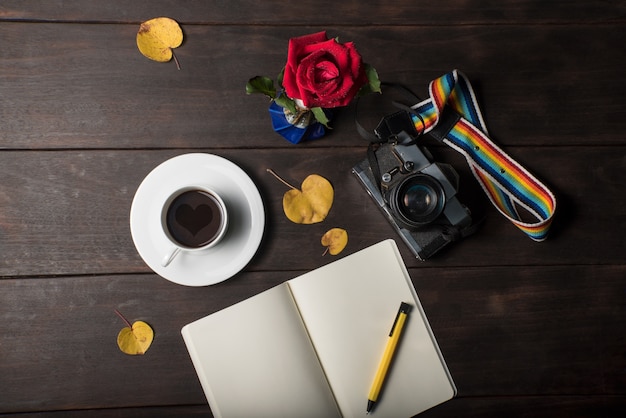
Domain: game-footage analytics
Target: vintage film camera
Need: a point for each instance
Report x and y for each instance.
(417, 195)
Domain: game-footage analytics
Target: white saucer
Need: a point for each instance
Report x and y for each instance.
(245, 211)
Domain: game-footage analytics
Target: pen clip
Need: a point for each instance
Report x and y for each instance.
(405, 308)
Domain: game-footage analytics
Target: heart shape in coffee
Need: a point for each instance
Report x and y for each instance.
(194, 220)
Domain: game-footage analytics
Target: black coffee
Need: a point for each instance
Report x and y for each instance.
(194, 218)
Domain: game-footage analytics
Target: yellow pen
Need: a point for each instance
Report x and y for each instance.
(383, 367)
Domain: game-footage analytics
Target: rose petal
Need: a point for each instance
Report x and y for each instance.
(325, 78)
(325, 71)
(322, 72)
(296, 51)
(298, 43)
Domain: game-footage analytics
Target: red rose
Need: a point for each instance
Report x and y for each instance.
(322, 72)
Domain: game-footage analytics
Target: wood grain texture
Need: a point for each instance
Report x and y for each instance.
(377, 12)
(482, 407)
(69, 211)
(536, 331)
(539, 85)
(528, 329)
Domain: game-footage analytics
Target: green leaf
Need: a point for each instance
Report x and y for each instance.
(287, 103)
(320, 116)
(373, 85)
(280, 77)
(263, 85)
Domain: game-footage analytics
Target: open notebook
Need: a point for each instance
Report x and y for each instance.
(311, 346)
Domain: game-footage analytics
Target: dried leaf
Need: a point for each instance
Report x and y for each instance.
(156, 38)
(335, 240)
(136, 338)
(311, 204)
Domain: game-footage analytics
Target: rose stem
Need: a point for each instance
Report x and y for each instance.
(123, 318)
(299, 116)
(269, 170)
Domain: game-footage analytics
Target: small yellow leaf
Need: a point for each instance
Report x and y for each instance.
(135, 340)
(156, 38)
(335, 240)
(311, 204)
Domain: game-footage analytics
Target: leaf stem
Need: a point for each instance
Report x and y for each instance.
(176, 60)
(124, 319)
(269, 170)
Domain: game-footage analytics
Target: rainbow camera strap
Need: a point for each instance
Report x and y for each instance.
(452, 115)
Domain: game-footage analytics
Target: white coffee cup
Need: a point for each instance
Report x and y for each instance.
(193, 218)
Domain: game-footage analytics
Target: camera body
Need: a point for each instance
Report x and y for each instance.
(417, 195)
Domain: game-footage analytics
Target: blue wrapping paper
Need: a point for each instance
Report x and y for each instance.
(294, 133)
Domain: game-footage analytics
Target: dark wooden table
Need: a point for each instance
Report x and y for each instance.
(528, 329)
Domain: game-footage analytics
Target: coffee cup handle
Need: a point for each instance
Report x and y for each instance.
(170, 256)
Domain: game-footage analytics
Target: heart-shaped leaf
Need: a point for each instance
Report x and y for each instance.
(311, 203)
(156, 38)
(335, 240)
(135, 339)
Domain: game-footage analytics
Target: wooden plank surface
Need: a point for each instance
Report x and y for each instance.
(528, 329)
(64, 208)
(250, 12)
(536, 331)
(543, 85)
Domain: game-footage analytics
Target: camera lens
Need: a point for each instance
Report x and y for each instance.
(419, 199)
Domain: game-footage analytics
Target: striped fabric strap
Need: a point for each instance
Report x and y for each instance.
(507, 184)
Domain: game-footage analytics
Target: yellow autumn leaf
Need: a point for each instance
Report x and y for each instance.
(335, 240)
(311, 203)
(156, 38)
(135, 338)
